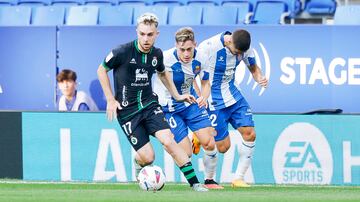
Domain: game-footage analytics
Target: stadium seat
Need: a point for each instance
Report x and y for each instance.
(185, 15)
(347, 15)
(201, 3)
(269, 12)
(219, 15)
(8, 2)
(134, 2)
(169, 3)
(48, 15)
(67, 3)
(82, 15)
(115, 15)
(15, 15)
(34, 3)
(160, 11)
(321, 6)
(293, 6)
(101, 2)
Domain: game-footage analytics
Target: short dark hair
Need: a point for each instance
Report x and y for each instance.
(66, 74)
(241, 39)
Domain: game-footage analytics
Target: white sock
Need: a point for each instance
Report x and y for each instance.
(246, 153)
(210, 162)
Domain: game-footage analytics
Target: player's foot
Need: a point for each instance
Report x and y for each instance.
(138, 168)
(211, 184)
(195, 144)
(199, 187)
(239, 183)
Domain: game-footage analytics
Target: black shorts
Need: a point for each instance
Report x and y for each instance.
(139, 127)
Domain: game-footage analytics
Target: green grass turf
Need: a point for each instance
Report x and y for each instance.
(20, 191)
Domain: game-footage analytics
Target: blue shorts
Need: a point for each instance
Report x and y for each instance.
(238, 115)
(193, 117)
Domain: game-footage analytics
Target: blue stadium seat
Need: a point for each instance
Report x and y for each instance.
(115, 15)
(293, 6)
(169, 3)
(201, 2)
(134, 2)
(68, 3)
(268, 12)
(101, 2)
(185, 15)
(82, 15)
(219, 15)
(34, 3)
(160, 11)
(321, 6)
(347, 15)
(48, 15)
(15, 15)
(8, 2)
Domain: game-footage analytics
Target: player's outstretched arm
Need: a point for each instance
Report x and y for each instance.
(111, 104)
(166, 79)
(258, 76)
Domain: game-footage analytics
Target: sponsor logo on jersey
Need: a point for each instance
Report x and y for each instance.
(141, 75)
(133, 140)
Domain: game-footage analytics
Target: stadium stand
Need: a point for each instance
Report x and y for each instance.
(82, 15)
(160, 11)
(347, 15)
(202, 3)
(219, 15)
(115, 15)
(269, 12)
(34, 3)
(134, 2)
(320, 6)
(169, 3)
(8, 2)
(67, 3)
(15, 15)
(185, 15)
(101, 2)
(48, 15)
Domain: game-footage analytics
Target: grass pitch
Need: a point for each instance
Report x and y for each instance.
(27, 191)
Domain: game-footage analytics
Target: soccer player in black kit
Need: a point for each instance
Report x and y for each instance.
(135, 105)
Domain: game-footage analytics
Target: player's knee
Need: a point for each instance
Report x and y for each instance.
(249, 135)
(147, 159)
(223, 148)
(168, 142)
(209, 145)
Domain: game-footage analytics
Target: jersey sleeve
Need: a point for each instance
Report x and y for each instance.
(249, 57)
(160, 66)
(114, 59)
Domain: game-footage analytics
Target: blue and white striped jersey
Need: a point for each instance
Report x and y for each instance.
(221, 64)
(183, 75)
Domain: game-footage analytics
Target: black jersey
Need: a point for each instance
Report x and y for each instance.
(133, 71)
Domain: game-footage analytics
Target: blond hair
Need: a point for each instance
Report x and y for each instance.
(184, 34)
(148, 19)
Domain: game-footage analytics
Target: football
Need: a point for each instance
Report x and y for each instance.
(151, 178)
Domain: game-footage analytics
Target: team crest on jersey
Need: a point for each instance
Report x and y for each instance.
(197, 69)
(154, 61)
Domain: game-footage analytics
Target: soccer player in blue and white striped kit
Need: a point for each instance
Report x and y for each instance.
(184, 63)
(224, 52)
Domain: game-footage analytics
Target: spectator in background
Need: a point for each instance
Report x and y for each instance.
(72, 99)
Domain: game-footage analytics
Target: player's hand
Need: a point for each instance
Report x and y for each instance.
(201, 102)
(186, 98)
(263, 82)
(111, 108)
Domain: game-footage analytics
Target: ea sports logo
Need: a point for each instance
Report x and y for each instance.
(263, 63)
(302, 155)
